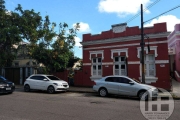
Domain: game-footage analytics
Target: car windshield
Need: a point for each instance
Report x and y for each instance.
(135, 80)
(53, 77)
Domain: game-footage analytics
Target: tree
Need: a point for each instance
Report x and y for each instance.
(9, 35)
(15, 27)
(55, 54)
(46, 46)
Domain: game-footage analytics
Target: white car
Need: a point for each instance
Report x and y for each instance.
(43, 82)
(122, 85)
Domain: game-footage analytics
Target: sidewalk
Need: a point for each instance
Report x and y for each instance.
(176, 88)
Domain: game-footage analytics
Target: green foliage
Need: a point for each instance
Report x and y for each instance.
(9, 35)
(55, 54)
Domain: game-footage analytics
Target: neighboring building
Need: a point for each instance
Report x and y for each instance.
(22, 67)
(117, 52)
(174, 52)
(77, 65)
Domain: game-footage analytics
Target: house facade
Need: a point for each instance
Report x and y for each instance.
(174, 51)
(22, 67)
(117, 52)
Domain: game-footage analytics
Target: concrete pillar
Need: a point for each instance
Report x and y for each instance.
(3, 72)
(26, 72)
(31, 71)
(21, 76)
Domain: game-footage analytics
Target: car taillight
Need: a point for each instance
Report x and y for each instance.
(94, 83)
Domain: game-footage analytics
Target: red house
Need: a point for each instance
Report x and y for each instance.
(117, 52)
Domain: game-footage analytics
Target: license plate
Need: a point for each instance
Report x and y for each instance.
(8, 88)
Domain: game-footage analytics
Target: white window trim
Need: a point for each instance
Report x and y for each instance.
(119, 52)
(95, 78)
(96, 52)
(92, 70)
(119, 63)
(148, 79)
(146, 49)
(141, 71)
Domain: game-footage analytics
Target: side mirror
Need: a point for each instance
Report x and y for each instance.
(131, 83)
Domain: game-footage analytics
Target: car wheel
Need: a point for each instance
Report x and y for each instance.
(26, 88)
(103, 92)
(143, 95)
(50, 89)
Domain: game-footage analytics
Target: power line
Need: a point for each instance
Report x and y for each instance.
(163, 13)
(155, 2)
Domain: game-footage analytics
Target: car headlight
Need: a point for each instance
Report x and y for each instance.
(57, 84)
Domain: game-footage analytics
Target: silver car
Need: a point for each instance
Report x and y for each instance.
(122, 85)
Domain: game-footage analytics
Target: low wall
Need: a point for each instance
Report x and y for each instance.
(79, 78)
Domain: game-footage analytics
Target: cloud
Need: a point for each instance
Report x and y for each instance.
(122, 7)
(84, 27)
(78, 40)
(10, 3)
(171, 20)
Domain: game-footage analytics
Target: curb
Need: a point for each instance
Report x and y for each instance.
(69, 90)
(80, 91)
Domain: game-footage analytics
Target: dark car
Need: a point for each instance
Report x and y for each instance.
(6, 86)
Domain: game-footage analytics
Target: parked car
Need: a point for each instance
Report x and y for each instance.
(44, 82)
(6, 86)
(122, 85)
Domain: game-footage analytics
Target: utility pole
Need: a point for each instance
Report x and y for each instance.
(142, 46)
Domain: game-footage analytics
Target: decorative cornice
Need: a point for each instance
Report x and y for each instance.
(123, 39)
(107, 63)
(86, 64)
(124, 45)
(119, 51)
(96, 52)
(146, 50)
(173, 36)
(131, 62)
(172, 42)
(104, 63)
(156, 62)
(161, 61)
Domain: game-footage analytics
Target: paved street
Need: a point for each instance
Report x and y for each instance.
(70, 106)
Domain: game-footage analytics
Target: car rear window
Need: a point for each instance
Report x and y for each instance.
(53, 78)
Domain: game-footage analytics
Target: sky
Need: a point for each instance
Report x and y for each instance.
(96, 16)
